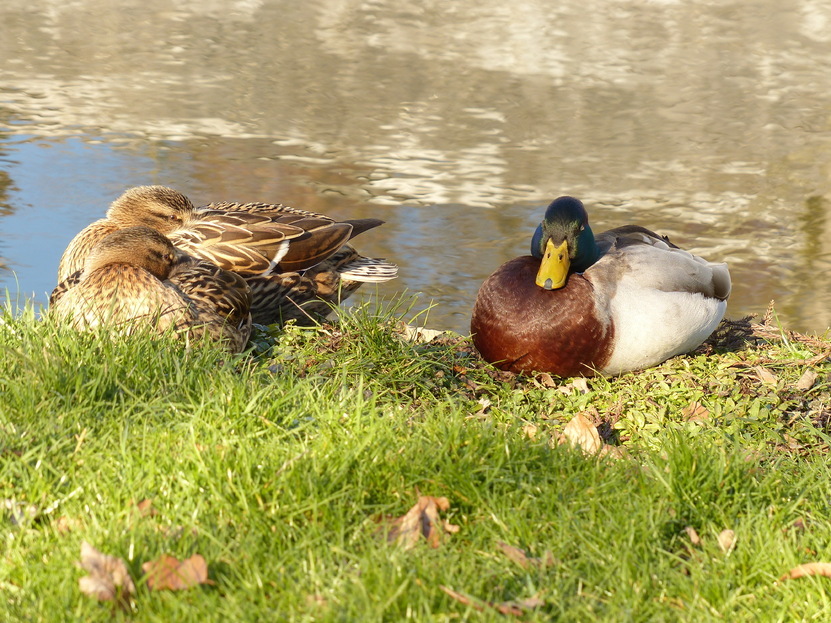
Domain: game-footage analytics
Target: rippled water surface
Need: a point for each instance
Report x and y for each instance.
(709, 121)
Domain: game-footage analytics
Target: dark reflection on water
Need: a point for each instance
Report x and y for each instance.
(455, 122)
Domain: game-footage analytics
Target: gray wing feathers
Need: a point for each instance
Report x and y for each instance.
(656, 263)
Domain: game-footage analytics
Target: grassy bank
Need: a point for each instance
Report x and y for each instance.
(286, 467)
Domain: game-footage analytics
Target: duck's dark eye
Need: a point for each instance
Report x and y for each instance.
(173, 217)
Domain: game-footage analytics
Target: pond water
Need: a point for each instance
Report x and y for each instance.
(456, 123)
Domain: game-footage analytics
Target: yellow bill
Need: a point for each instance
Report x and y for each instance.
(553, 270)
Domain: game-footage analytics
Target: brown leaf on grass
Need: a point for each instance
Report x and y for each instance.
(766, 376)
(695, 412)
(421, 520)
(792, 442)
(726, 540)
(449, 528)
(64, 524)
(521, 558)
(695, 540)
(144, 508)
(514, 608)
(529, 604)
(167, 572)
(420, 334)
(817, 359)
(546, 381)
(580, 431)
(807, 380)
(108, 579)
(580, 385)
(811, 568)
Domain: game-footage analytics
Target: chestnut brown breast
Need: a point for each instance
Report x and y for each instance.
(521, 327)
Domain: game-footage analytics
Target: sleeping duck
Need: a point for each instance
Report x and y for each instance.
(135, 277)
(624, 300)
(297, 264)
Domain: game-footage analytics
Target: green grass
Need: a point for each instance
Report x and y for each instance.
(279, 465)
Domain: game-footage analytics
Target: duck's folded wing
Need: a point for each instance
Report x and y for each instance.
(325, 238)
(323, 235)
(239, 241)
(653, 262)
(321, 242)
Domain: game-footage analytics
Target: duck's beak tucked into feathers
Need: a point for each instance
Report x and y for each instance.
(554, 267)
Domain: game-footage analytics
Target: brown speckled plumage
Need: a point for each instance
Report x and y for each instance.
(272, 246)
(135, 277)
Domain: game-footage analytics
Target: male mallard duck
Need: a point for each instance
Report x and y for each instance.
(135, 276)
(295, 262)
(627, 300)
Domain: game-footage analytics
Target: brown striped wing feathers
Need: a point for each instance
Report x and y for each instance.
(325, 235)
(322, 242)
(247, 243)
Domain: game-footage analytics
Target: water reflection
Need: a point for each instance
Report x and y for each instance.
(455, 122)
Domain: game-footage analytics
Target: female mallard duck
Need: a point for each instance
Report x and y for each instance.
(627, 300)
(135, 276)
(296, 262)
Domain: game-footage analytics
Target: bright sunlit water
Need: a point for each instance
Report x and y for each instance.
(708, 121)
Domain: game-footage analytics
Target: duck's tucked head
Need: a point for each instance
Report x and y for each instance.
(563, 242)
(139, 246)
(159, 207)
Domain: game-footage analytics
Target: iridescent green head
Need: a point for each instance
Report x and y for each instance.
(563, 242)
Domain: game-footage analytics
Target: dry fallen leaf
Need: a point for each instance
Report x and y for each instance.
(64, 524)
(811, 568)
(420, 334)
(726, 540)
(530, 430)
(792, 442)
(422, 520)
(765, 375)
(108, 579)
(581, 432)
(580, 384)
(694, 538)
(807, 380)
(546, 381)
(521, 558)
(167, 572)
(515, 608)
(695, 412)
(145, 507)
